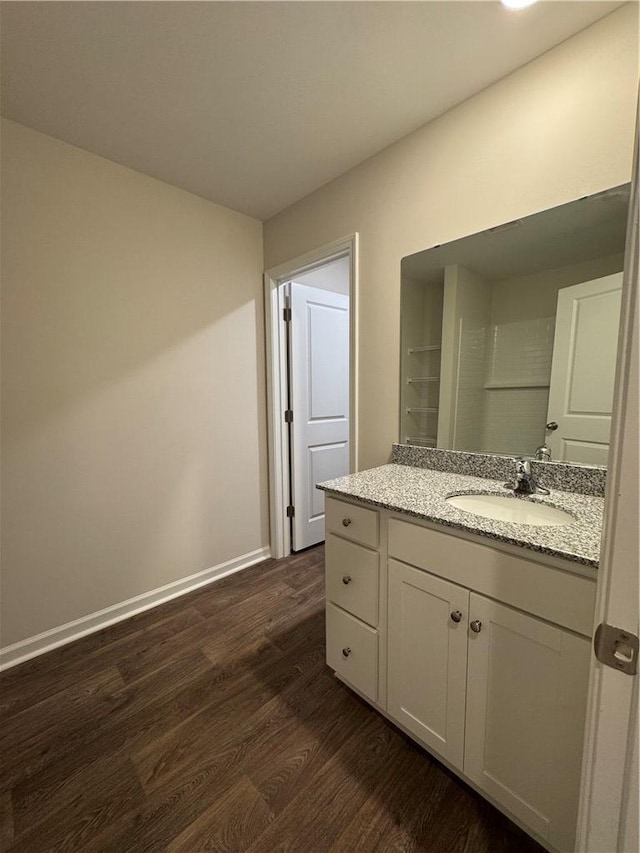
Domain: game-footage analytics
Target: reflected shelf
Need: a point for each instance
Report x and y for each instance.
(420, 440)
(497, 386)
(433, 348)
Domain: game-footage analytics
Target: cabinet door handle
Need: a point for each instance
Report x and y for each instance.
(456, 616)
(346, 579)
(476, 626)
(346, 522)
(346, 652)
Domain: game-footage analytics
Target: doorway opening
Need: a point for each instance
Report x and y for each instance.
(310, 306)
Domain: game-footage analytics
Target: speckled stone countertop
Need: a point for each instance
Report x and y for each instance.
(421, 493)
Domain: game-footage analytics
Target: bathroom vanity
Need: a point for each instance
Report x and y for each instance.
(470, 633)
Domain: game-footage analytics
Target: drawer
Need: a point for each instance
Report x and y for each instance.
(353, 522)
(352, 578)
(352, 651)
(559, 596)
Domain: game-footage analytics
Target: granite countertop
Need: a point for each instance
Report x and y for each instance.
(421, 493)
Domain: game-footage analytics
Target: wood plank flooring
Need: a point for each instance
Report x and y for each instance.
(213, 723)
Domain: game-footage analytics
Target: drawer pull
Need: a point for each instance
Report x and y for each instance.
(346, 580)
(476, 626)
(456, 616)
(346, 652)
(346, 522)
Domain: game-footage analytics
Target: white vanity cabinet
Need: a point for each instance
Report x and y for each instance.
(499, 694)
(480, 654)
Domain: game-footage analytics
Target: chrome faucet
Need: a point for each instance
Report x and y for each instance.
(543, 453)
(525, 483)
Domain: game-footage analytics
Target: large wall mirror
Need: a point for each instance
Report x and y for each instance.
(509, 337)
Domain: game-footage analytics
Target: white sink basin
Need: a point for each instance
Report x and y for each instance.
(503, 508)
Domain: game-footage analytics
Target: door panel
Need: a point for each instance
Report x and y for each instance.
(428, 658)
(583, 370)
(526, 701)
(326, 461)
(319, 389)
(328, 330)
(583, 452)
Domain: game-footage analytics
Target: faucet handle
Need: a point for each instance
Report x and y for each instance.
(543, 453)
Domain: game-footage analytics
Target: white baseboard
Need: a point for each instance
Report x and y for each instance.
(63, 634)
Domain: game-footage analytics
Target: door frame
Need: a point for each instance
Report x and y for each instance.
(276, 364)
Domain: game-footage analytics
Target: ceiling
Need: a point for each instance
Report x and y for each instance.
(256, 104)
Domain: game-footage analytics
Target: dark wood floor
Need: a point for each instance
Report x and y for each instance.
(213, 723)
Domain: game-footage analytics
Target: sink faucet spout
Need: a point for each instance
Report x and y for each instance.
(525, 483)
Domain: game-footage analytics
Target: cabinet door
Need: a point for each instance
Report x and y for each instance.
(526, 704)
(427, 661)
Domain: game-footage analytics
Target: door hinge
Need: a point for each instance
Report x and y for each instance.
(291, 511)
(286, 315)
(616, 648)
(288, 416)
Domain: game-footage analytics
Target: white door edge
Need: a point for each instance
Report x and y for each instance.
(607, 817)
(275, 343)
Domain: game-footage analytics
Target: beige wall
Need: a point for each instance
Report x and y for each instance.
(133, 390)
(333, 276)
(536, 294)
(557, 129)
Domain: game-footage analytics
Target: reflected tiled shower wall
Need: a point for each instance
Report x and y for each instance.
(514, 420)
(519, 369)
(504, 373)
(520, 353)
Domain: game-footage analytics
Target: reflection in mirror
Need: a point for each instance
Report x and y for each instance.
(509, 337)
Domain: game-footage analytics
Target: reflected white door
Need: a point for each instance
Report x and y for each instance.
(583, 370)
(319, 377)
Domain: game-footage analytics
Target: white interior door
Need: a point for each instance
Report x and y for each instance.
(583, 370)
(319, 389)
